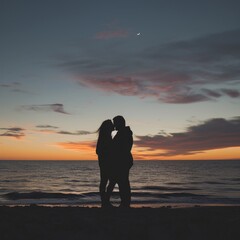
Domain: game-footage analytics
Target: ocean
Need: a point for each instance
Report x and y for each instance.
(153, 183)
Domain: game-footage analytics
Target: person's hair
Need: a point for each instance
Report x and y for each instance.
(119, 119)
(105, 127)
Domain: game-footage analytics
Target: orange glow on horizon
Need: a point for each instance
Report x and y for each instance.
(24, 150)
(87, 146)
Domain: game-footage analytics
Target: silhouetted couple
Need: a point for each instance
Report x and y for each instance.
(115, 160)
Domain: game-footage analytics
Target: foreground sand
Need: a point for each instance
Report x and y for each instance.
(137, 223)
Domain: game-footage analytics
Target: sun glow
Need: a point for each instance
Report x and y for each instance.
(85, 150)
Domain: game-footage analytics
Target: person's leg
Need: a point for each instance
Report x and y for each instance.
(110, 188)
(124, 188)
(112, 177)
(102, 186)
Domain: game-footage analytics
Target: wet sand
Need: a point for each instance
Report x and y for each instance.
(34, 222)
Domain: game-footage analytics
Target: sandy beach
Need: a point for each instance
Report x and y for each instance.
(35, 222)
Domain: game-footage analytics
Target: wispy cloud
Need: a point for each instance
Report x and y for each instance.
(231, 92)
(213, 134)
(46, 126)
(53, 129)
(14, 87)
(188, 71)
(56, 107)
(81, 132)
(3, 85)
(10, 85)
(15, 132)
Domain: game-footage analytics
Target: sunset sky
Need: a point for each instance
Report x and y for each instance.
(171, 68)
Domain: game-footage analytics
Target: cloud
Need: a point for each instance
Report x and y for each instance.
(185, 71)
(10, 85)
(46, 126)
(119, 84)
(15, 132)
(14, 87)
(120, 33)
(231, 92)
(4, 85)
(57, 107)
(213, 134)
(78, 146)
(52, 129)
(212, 93)
(81, 132)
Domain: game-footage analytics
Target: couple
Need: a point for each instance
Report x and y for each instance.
(115, 160)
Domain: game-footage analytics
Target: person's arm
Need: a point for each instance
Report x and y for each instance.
(129, 143)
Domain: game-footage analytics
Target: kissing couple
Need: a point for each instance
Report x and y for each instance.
(115, 160)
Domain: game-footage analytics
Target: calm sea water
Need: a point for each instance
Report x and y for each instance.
(152, 182)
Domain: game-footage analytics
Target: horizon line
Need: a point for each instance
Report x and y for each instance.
(232, 159)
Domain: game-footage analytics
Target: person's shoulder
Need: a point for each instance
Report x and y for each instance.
(128, 130)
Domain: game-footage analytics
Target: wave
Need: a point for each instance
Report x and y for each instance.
(235, 179)
(231, 189)
(45, 195)
(209, 182)
(162, 188)
(215, 183)
(167, 195)
(174, 183)
(94, 197)
(14, 181)
(70, 196)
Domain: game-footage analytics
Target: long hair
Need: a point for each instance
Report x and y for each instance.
(104, 136)
(105, 128)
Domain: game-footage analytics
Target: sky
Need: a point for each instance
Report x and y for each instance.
(171, 68)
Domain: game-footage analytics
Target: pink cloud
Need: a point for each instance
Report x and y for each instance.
(119, 84)
(111, 34)
(164, 88)
(201, 69)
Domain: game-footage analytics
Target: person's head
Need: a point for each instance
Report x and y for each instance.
(106, 127)
(119, 122)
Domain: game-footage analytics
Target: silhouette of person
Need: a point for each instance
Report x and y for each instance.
(123, 160)
(104, 151)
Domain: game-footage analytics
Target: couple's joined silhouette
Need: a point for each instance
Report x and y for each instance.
(115, 160)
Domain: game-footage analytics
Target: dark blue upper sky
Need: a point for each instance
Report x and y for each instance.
(162, 64)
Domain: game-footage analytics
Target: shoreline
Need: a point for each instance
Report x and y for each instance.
(200, 222)
(134, 205)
